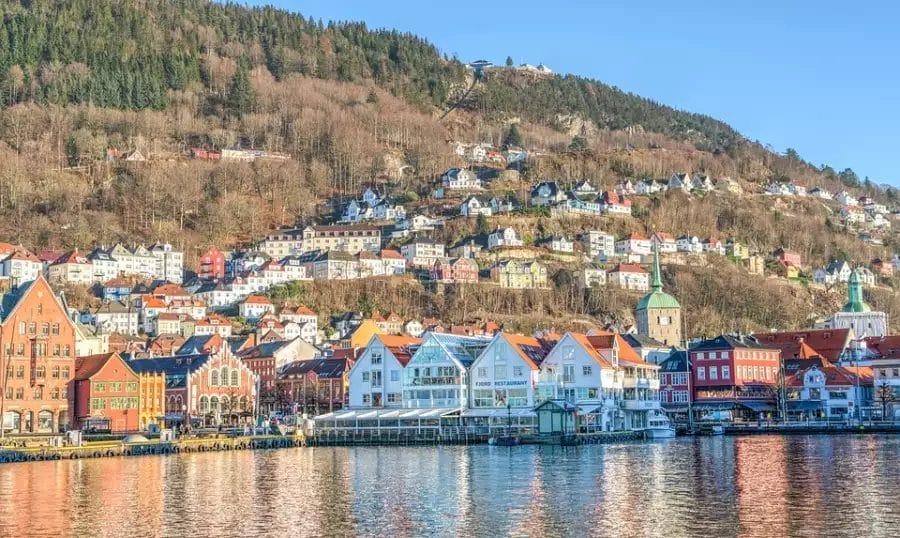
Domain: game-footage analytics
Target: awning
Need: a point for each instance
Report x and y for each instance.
(498, 412)
(713, 406)
(757, 405)
(804, 405)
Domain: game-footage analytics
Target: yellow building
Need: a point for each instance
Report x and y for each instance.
(361, 336)
(152, 399)
(519, 274)
(755, 264)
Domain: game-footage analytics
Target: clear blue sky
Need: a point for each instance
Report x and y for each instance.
(822, 77)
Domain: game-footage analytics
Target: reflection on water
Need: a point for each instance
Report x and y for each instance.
(751, 486)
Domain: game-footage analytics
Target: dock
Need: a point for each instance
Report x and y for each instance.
(110, 449)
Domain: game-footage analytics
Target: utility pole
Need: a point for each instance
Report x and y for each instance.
(4, 371)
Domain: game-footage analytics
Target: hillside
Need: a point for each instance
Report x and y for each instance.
(85, 82)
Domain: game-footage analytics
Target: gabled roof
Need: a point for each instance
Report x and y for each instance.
(86, 367)
(170, 290)
(205, 343)
(176, 368)
(257, 299)
(530, 349)
(401, 347)
(628, 268)
(607, 341)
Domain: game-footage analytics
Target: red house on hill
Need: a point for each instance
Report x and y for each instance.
(212, 264)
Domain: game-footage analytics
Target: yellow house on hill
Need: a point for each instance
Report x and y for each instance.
(361, 336)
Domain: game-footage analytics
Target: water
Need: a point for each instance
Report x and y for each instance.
(714, 486)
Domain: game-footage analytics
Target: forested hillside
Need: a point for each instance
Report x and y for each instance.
(85, 82)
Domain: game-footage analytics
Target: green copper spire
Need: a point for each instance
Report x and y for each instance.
(656, 281)
(857, 302)
(657, 298)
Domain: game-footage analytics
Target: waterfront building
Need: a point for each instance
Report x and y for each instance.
(437, 374)
(268, 358)
(313, 387)
(735, 372)
(37, 354)
(104, 394)
(609, 382)
(821, 390)
(376, 379)
(504, 376)
(212, 387)
(674, 384)
(152, 402)
(658, 314)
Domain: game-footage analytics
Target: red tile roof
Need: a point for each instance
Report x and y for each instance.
(830, 343)
(628, 268)
(257, 299)
(86, 367)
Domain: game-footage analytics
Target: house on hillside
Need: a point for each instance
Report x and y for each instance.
(474, 206)
(460, 179)
(547, 193)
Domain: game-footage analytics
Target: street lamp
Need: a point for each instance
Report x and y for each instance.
(508, 418)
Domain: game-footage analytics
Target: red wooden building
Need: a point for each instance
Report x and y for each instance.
(104, 394)
(737, 373)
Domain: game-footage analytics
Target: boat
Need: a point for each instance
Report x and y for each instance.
(659, 427)
(717, 429)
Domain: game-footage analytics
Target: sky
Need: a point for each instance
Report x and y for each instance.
(822, 77)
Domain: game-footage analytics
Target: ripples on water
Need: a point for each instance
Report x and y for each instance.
(725, 486)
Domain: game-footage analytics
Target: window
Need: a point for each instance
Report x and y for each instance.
(21, 327)
(235, 378)
(367, 399)
(499, 372)
(395, 376)
(483, 398)
(482, 372)
(365, 378)
(56, 350)
(38, 393)
(66, 350)
(568, 373)
(376, 378)
(20, 372)
(376, 357)
(20, 393)
(214, 378)
(55, 329)
(54, 394)
(65, 372)
(701, 374)
(99, 387)
(20, 349)
(393, 397)
(32, 328)
(726, 372)
(713, 373)
(712, 355)
(517, 371)
(45, 329)
(40, 372)
(700, 356)
(586, 370)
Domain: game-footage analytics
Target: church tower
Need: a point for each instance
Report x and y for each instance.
(658, 314)
(857, 314)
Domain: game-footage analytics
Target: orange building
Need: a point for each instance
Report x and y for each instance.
(37, 358)
(104, 394)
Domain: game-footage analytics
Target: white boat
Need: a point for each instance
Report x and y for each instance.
(659, 427)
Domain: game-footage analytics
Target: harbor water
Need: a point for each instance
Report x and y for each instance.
(818, 485)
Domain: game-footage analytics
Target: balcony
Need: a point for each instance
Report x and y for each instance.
(632, 382)
(640, 405)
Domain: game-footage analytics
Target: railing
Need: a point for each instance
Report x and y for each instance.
(631, 382)
(640, 405)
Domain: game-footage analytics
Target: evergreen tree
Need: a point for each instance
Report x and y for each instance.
(513, 137)
(578, 144)
(240, 97)
(509, 61)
